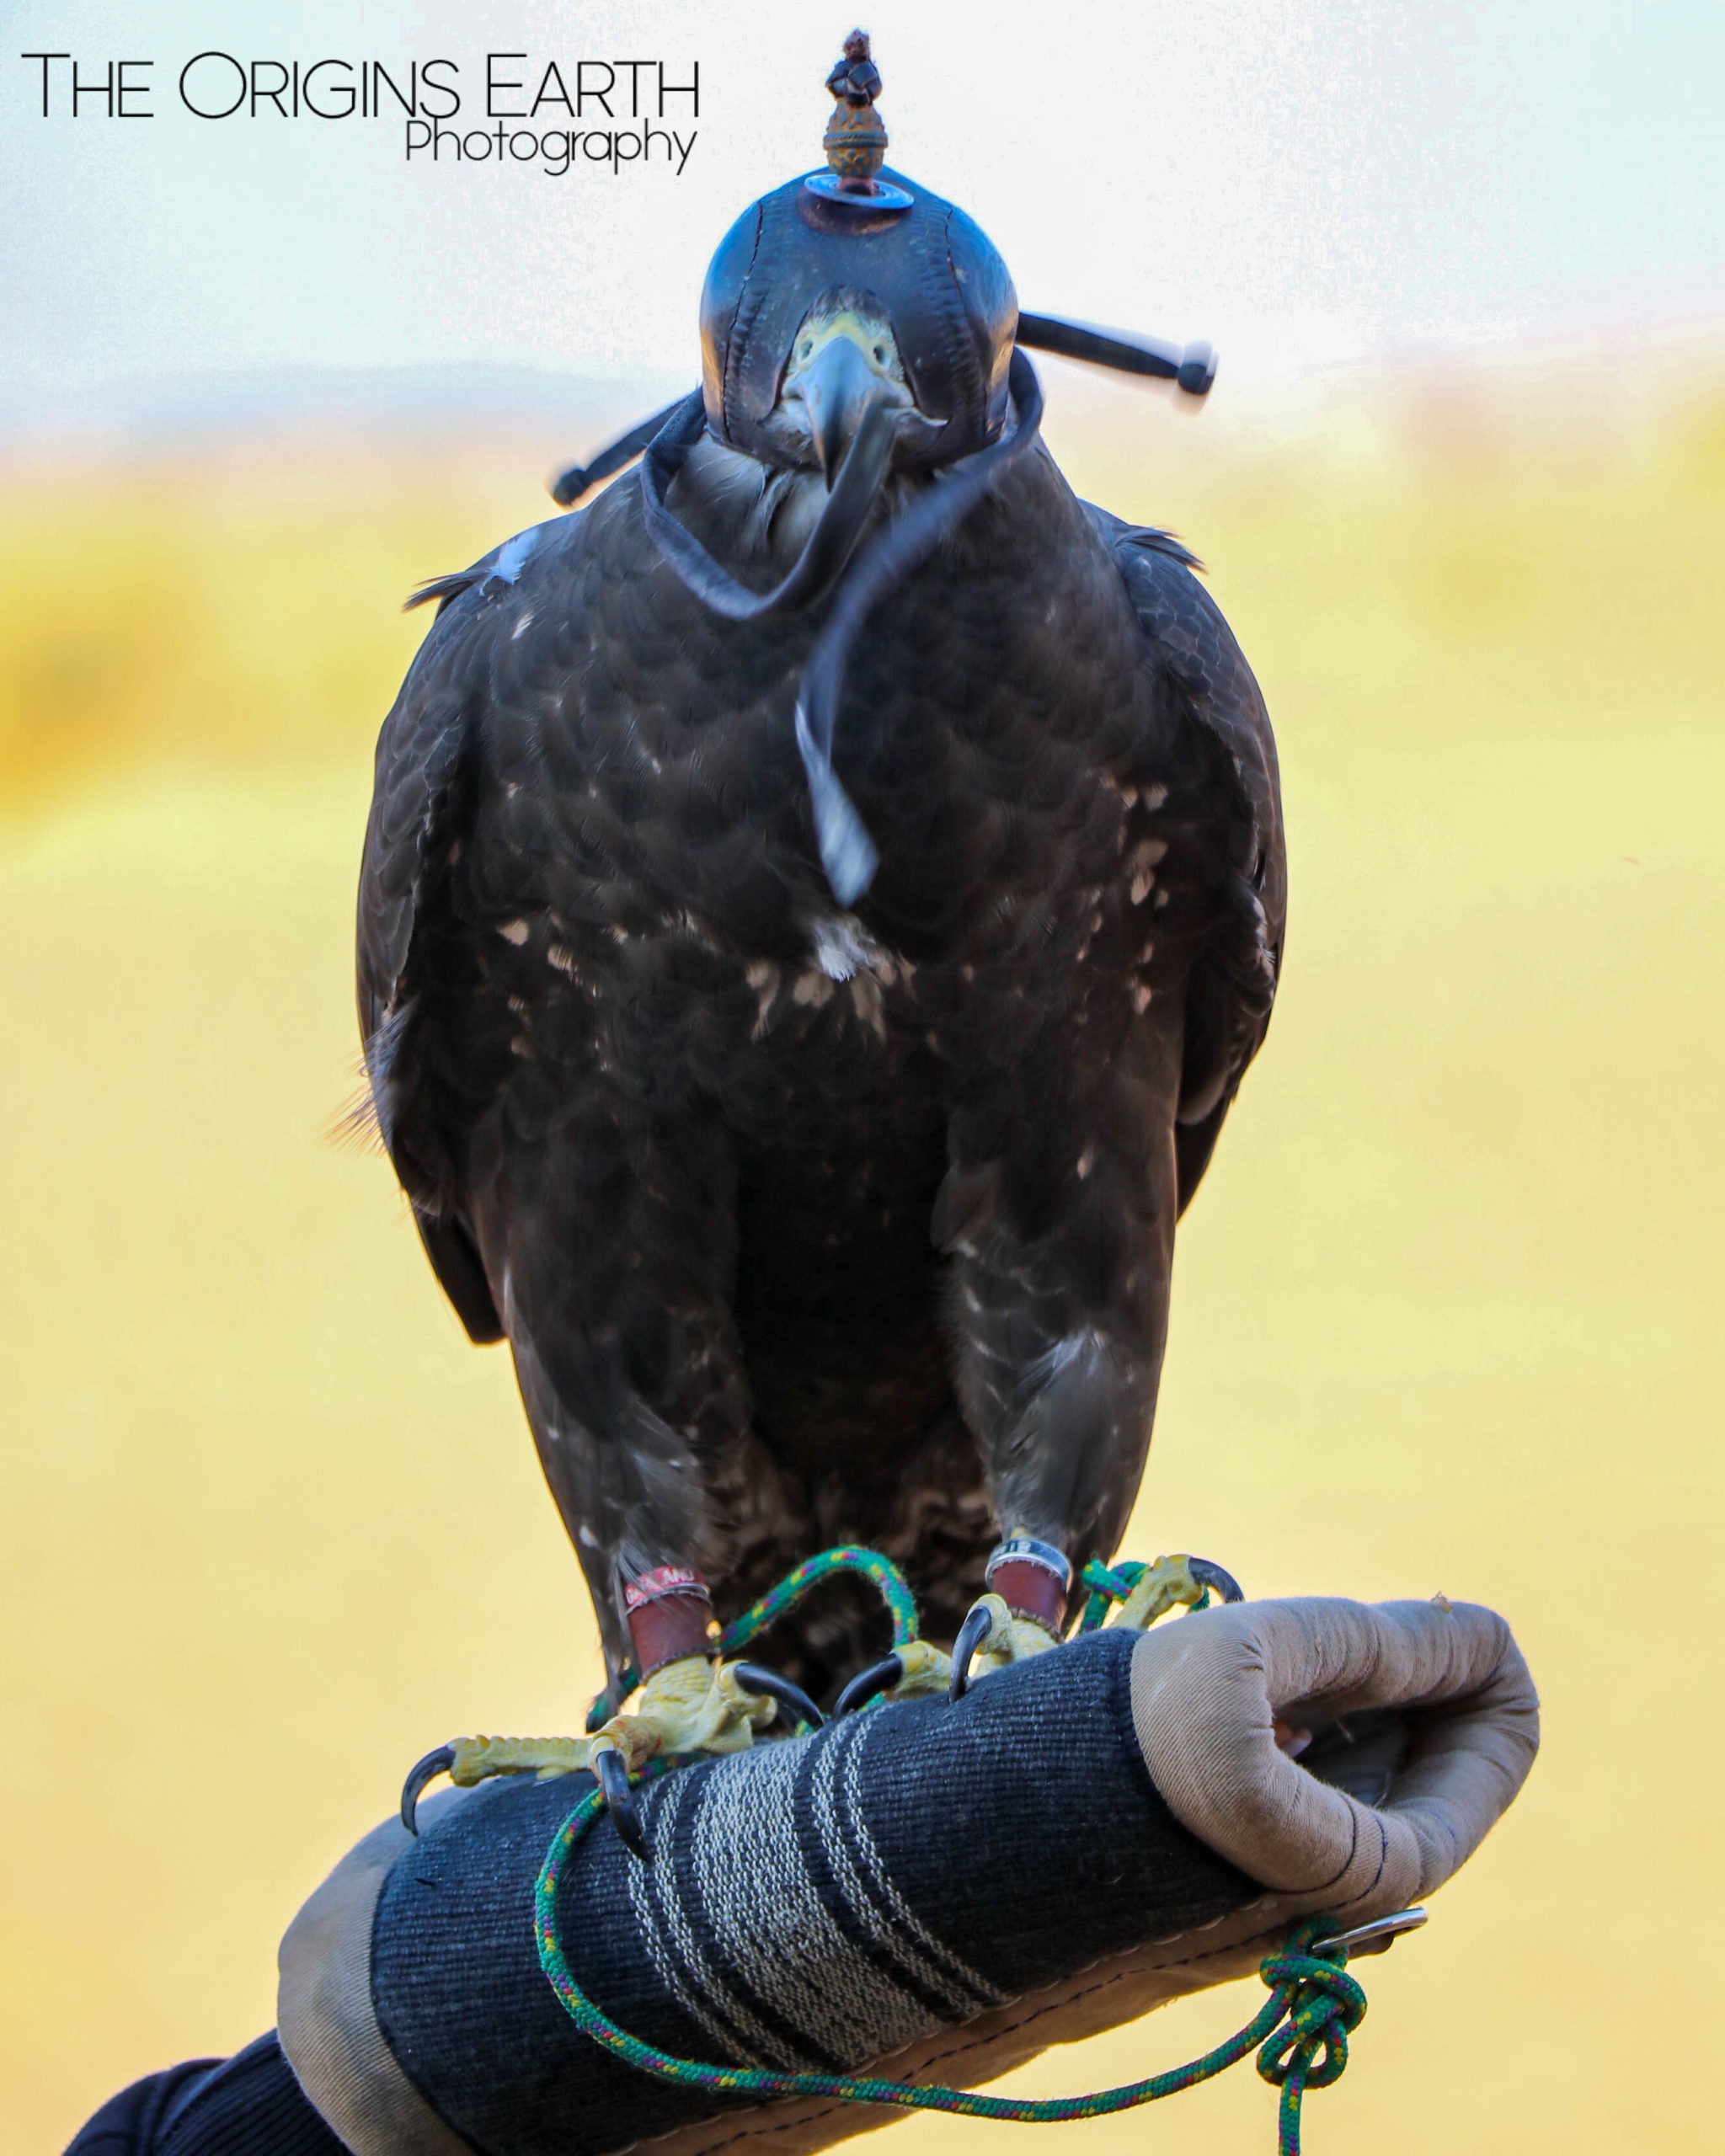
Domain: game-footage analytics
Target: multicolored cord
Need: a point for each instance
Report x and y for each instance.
(1301, 2033)
(866, 1564)
(1112, 1583)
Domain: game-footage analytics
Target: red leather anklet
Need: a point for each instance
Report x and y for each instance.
(668, 1611)
(1032, 1579)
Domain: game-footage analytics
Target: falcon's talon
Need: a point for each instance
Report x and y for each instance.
(917, 1670)
(1217, 1578)
(924, 1671)
(420, 1774)
(867, 1683)
(979, 1623)
(767, 1683)
(613, 1771)
(483, 1759)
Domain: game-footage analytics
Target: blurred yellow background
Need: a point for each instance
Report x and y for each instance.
(1447, 1312)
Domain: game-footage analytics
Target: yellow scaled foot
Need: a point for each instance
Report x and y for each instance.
(477, 1759)
(928, 1672)
(925, 1672)
(1010, 1637)
(993, 1637)
(691, 1706)
(1169, 1582)
(694, 1705)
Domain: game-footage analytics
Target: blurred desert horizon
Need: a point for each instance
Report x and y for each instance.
(1446, 1312)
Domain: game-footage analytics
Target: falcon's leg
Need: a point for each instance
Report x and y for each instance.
(1061, 1245)
(610, 1247)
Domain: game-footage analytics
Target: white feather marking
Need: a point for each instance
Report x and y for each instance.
(763, 977)
(1145, 856)
(1045, 1367)
(513, 557)
(843, 946)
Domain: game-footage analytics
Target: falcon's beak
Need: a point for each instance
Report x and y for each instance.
(838, 388)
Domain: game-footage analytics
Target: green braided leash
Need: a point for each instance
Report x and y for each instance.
(880, 1572)
(1112, 1583)
(1300, 2032)
(867, 1563)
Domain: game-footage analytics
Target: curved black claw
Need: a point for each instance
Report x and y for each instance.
(975, 1629)
(620, 1799)
(878, 1677)
(413, 1788)
(767, 1684)
(1213, 1576)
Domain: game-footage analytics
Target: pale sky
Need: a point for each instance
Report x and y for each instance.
(1299, 184)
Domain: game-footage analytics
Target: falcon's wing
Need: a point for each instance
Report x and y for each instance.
(434, 1044)
(1232, 985)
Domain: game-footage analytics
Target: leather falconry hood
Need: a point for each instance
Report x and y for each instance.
(933, 272)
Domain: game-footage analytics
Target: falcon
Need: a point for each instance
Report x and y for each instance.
(819, 902)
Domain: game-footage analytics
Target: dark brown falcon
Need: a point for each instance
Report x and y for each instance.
(818, 905)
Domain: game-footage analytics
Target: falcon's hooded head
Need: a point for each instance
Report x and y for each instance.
(820, 307)
(851, 294)
(858, 327)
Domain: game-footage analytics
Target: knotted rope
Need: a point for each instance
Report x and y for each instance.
(1300, 2032)
(1325, 2006)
